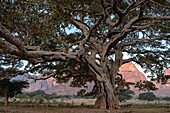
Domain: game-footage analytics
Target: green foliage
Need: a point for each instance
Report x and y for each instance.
(9, 66)
(81, 92)
(147, 96)
(11, 88)
(39, 94)
(22, 96)
(166, 98)
(49, 23)
(146, 85)
(125, 95)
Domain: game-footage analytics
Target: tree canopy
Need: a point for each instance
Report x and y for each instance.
(65, 36)
(10, 88)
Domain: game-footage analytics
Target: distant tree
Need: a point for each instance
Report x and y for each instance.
(166, 98)
(126, 95)
(11, 88)
(52, 96)
(81, 92)
(147, 96)
(38, 92)
(23, 96)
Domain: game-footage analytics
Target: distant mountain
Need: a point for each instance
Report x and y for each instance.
(132, 74)
(167, 72)
(129, 71)
(40, 84)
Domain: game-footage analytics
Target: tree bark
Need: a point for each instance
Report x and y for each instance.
(6, 99)
(101, 98)
(107, 98)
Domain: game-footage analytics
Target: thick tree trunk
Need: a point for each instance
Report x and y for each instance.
(101, 98)
(107, 99)
(6, 100)
(111, 100)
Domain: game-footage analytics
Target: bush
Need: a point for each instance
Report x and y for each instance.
(147, 96)
(166, 98)
(126, 95)
(39, 94)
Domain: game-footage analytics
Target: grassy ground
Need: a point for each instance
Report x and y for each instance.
(49, 108)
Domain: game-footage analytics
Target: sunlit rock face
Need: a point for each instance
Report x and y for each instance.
(164, 90)
(167, 72)
(132, 75)
(40, 84)
(129, 71)
(50, 86)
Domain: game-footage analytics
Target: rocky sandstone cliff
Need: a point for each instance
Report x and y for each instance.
(130, 74)
(167, 72)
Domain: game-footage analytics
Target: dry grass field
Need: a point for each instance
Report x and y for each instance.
(47, 108)
(80, 105)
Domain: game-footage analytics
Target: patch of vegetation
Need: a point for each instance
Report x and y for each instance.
(9, 88)
(166, 98)
(125, 95)
(147, 96)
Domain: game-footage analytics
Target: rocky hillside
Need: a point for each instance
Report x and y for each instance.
(167, 72)
(129, 71)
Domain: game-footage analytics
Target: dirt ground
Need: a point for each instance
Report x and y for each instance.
(131, 109)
